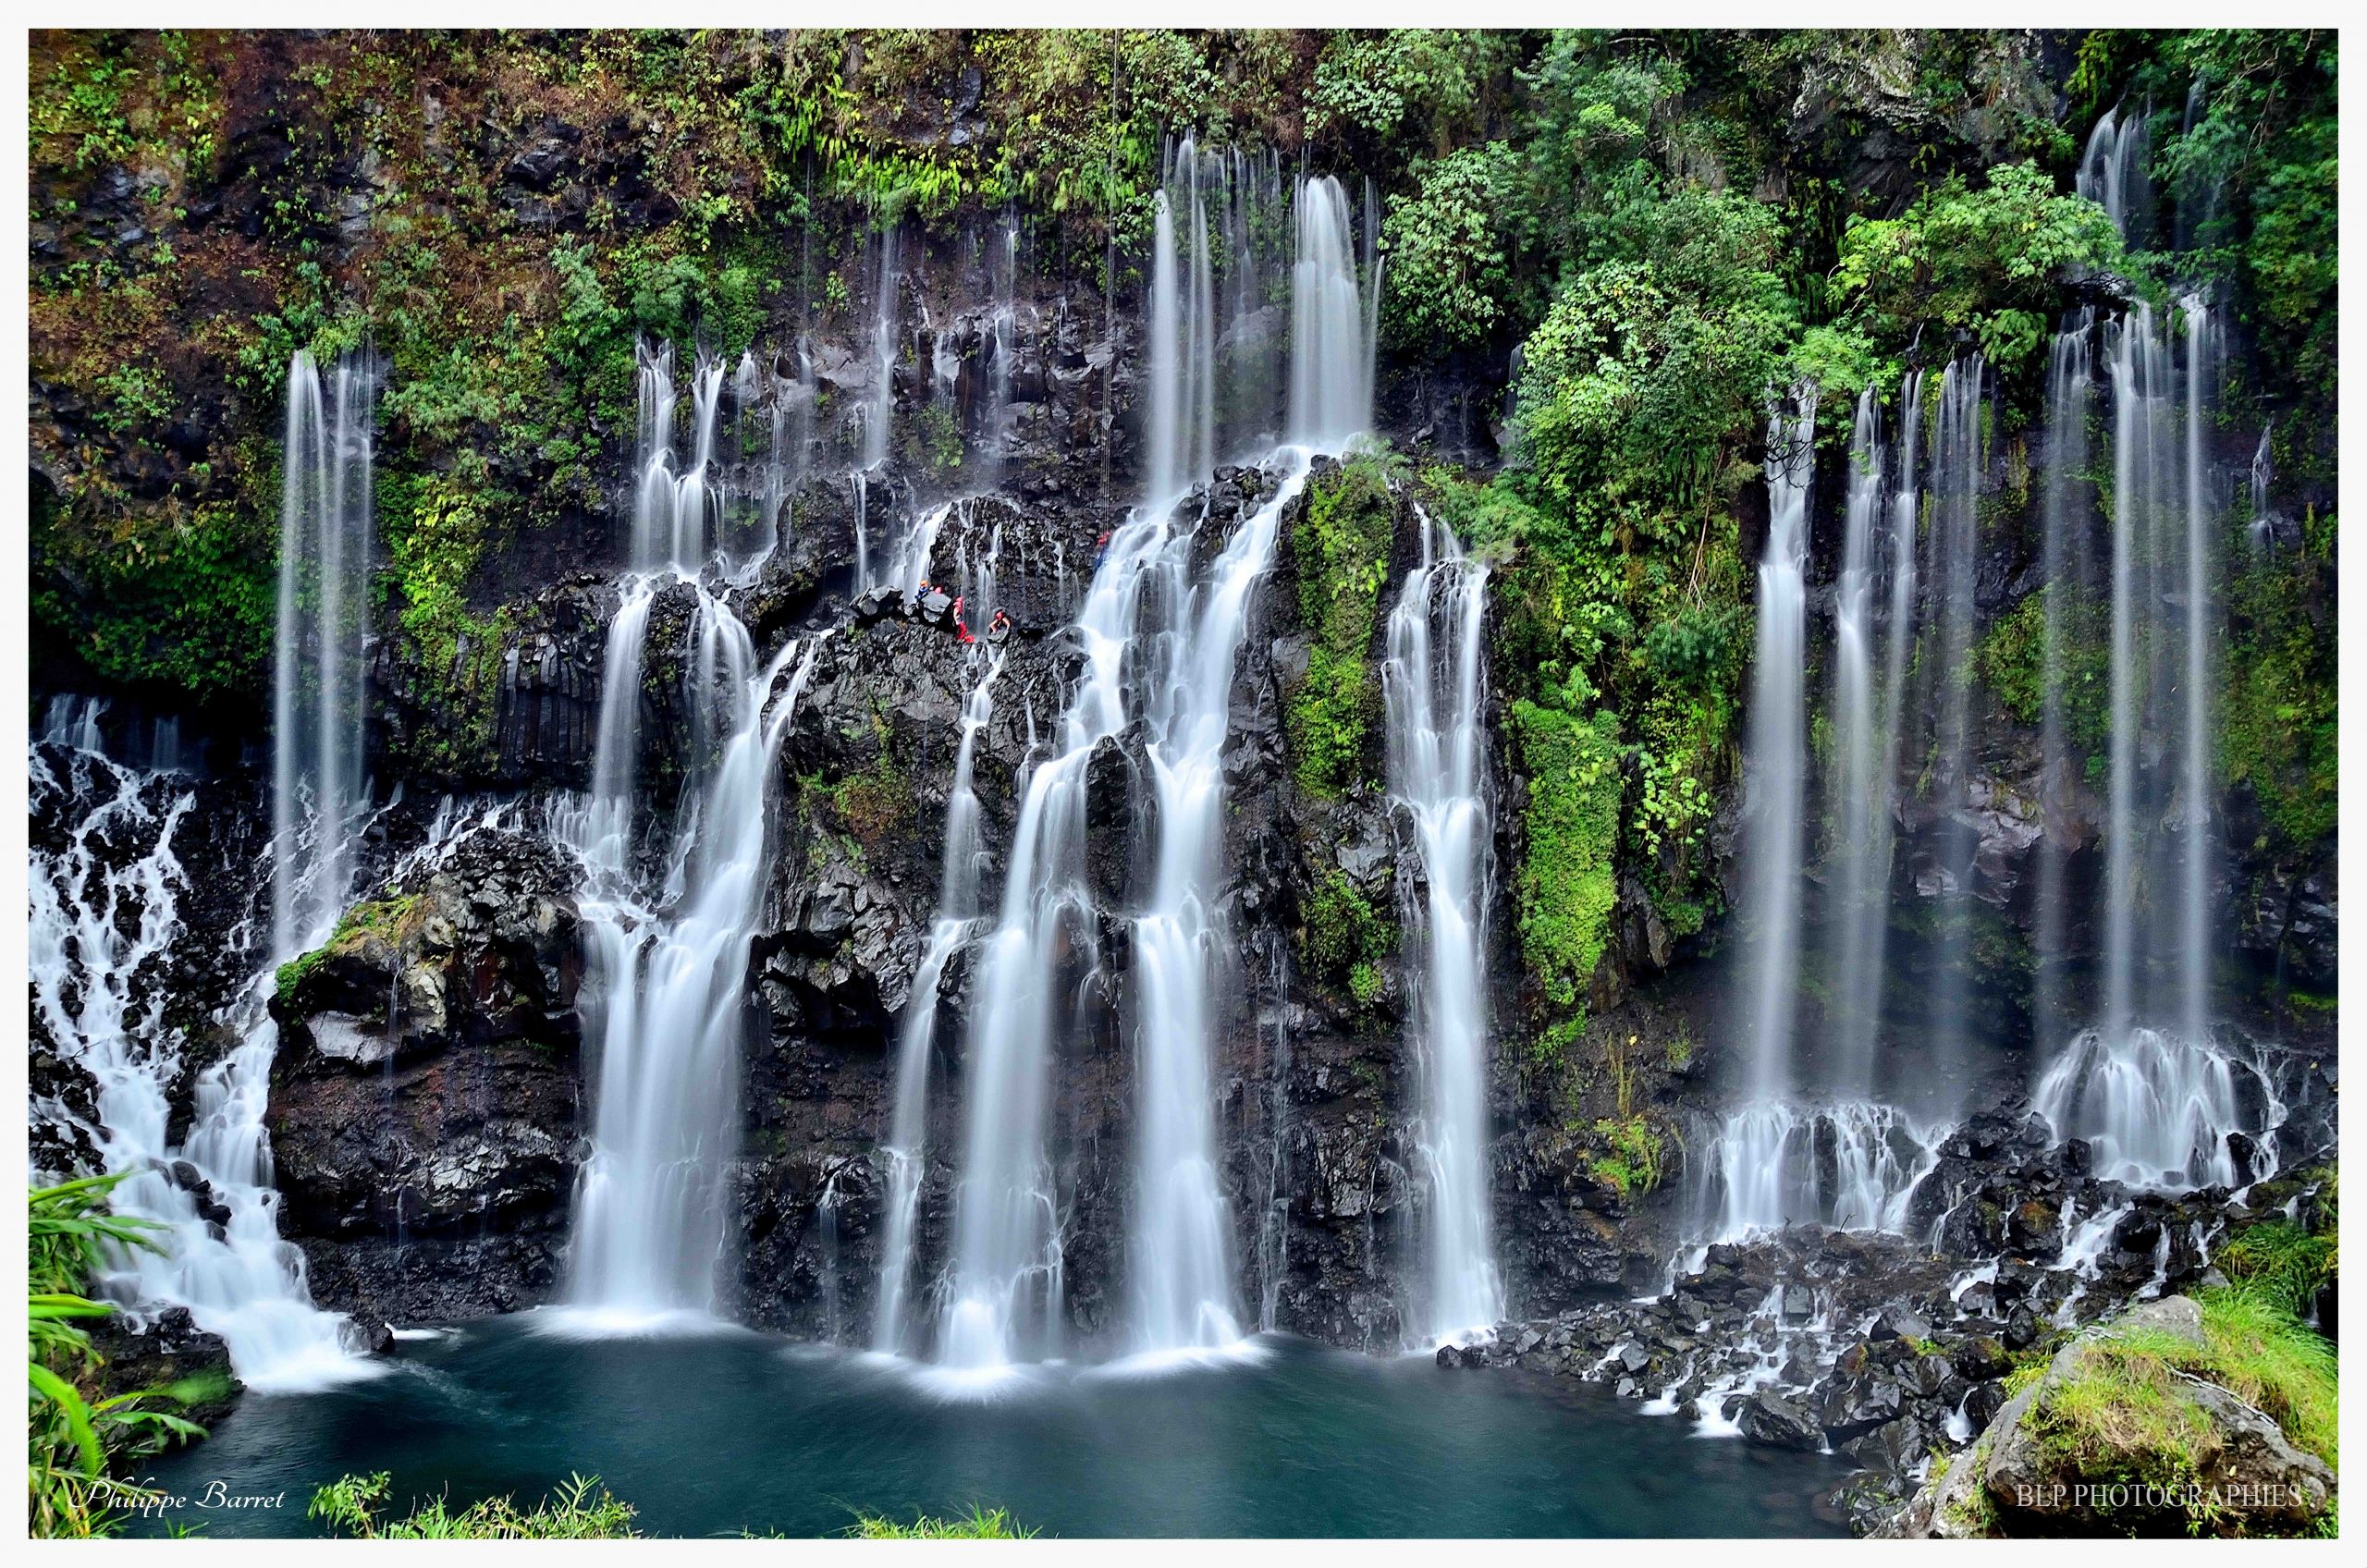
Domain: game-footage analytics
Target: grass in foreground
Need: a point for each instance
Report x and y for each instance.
(979, 1525)
(579, 1509)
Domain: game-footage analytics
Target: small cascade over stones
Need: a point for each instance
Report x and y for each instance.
(105, 913)
(318, 792)
(669, 941)
(1434, 694)
(1853, 1165)
(957, 917)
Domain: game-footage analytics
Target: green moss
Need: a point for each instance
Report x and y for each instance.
(2121, 1413)
(1629, 1157)
(1567, 884)
(380, 918)
(2278, 702)
(1342, 542)
(1344, 937)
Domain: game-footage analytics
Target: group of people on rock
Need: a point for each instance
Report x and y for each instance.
(932, 606)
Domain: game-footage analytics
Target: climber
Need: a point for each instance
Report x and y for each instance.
(999, 629)
(960, 630)
(1100, 550)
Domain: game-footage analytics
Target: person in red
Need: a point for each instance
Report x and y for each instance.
(960, 630)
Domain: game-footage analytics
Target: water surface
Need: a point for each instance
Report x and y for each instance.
(723, 1433)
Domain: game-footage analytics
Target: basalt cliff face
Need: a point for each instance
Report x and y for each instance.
(990, 369)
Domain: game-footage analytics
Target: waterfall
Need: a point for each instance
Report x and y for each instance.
(1181, 435)
(1852, 1166)
(1210, 364)
(956, 918)
(1434, 696)
(1331, 341)
(1775, 763)
(2112, 175)
(669, 968)
(317, 698)
(2065, 561)
(1862, 767)
(668, 954)
(1776, 751)
(105, 907)
(2150, 1086)
(1183, 1283)
(1958, 453)
(877, 412)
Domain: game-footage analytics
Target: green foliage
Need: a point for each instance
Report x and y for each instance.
(2260, 166)
(188, 601)
(2278, 702)
(380, 918)
(1377, 90)
(1447, 281)
(1567, 884)
(578, 1508)
(979, 1525)
(1345, 938)
(1342, 540)
(1629, 1157)
(73, 1436)
(1988, 259)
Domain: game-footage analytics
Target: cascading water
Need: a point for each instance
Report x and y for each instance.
(668, 954)
(957, 913)
(1331, 329)
(1777, 752)
(1858, 918)
(2068, 563)
(1431, 683)
(324, 538)
(669, 970)
(1747, 1157)
(104, 915)
(1004, 1296)
(106, 922)
(2150, 1086)
(1958, 454)
(878, 411)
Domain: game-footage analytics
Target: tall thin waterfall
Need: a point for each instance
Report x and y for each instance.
(878, 411)
(1747, 1154)
(1331, 329)
(1958, 454)
(1863, 751)
(1776, 750)
(1432, 685)
(957, 914)
(104, 906)
(1183, 1282)
(317, 701)
(1181, 436)
(2150, 1086)
(1211, 368)
(2066, 562)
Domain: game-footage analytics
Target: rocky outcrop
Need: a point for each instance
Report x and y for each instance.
(425, 1102)
(2237, 1474)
